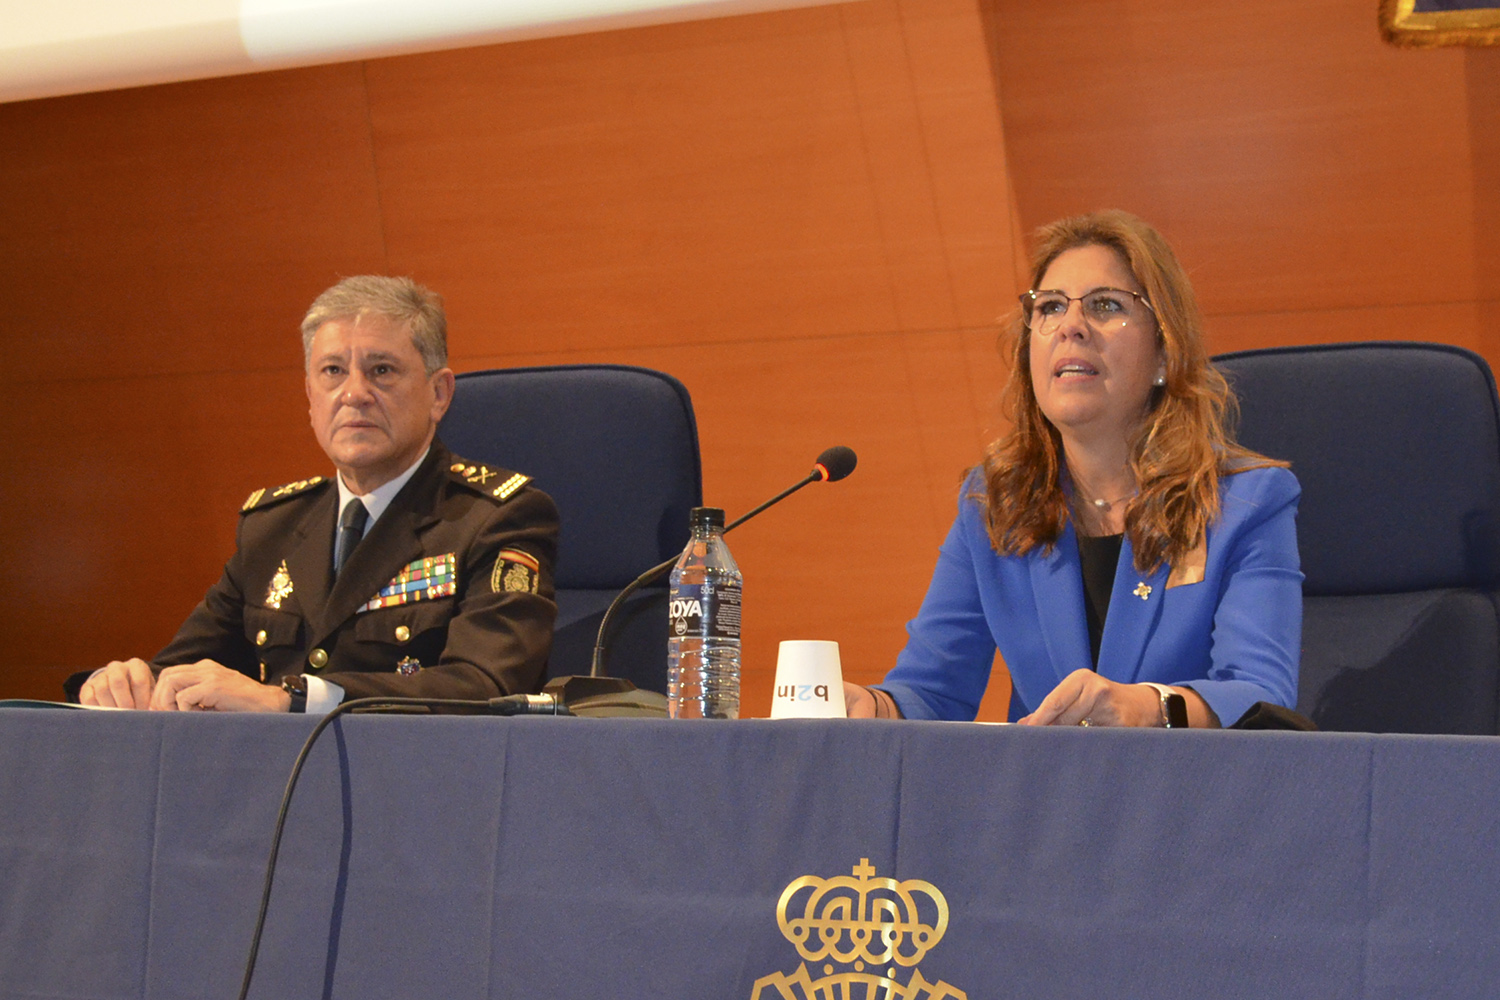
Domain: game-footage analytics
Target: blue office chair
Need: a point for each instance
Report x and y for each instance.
(617, 448)
(1397, 446)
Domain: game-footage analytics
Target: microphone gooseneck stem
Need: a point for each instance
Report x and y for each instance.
(596, 668)
(820, 473)
(812, 477)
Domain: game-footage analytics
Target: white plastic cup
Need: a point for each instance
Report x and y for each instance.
(809, 681)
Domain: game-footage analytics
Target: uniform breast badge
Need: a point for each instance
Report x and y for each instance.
(421, 580)
(281, 587)
(408, 665)
(516, 572)
(872, 924)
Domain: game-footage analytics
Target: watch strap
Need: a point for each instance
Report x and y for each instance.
(1173, 707)
(295, 685)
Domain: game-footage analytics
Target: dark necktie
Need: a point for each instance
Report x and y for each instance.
(351, 530)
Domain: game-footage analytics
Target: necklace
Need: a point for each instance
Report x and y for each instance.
(1103, 505)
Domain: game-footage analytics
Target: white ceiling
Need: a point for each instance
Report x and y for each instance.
(54, 47)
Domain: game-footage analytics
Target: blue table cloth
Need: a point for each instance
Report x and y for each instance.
(558, 858)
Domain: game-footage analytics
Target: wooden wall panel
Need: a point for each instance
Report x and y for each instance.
(1460, 323)
(598, 192)
(176, 228)
(120, 507)
(1482, 85)
(619, 193)
(1297, 162)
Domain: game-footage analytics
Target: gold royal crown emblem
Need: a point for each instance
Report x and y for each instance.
(875, 925)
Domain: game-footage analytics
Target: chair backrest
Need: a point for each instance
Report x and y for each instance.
(617, 448)
(1397, 447)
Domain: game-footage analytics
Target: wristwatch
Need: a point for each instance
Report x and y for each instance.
(296, 686)
(1173, 707)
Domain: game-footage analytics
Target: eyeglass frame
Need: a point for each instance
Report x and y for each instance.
(1028, 302)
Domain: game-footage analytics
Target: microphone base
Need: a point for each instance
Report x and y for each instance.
(607, 697)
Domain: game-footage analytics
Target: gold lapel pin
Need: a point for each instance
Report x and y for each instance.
(1142, 590)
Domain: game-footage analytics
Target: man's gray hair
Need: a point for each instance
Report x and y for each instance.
(400, 300)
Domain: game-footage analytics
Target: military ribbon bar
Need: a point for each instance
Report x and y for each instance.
(422, 580)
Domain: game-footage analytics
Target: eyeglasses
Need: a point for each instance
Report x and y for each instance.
(1104, 309)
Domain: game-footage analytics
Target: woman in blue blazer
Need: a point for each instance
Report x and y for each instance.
(1132, 564)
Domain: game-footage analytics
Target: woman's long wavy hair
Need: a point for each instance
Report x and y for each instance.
(1179, 450)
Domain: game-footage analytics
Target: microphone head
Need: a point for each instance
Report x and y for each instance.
(835, 463)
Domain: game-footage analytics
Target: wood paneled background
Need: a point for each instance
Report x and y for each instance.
(811, 217)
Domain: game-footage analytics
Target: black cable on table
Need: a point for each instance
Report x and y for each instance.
(355, 705)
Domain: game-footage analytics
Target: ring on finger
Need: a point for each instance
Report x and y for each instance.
(1085, 722)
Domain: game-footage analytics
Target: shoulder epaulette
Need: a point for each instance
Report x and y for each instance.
(500, 484)
(265, 497)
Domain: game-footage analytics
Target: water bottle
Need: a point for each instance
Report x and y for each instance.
(703, 641)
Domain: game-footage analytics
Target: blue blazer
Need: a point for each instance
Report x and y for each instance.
(1226, 623)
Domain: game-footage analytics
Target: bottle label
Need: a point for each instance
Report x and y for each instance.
(685, 611)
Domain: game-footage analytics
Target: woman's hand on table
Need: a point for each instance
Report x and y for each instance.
(859, 702)
(1086, 699)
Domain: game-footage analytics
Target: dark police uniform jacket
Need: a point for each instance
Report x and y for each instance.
(448, 595)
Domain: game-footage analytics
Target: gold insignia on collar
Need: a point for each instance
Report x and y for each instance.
(474, 475)
(264, 497)
(297, 487)
(480, 476)
(515, 482)
(1142, 590)
(281, 587)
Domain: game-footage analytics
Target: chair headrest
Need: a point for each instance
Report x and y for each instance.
(1397, 447)
(615, 446)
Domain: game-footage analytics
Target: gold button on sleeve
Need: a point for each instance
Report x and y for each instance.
(260, 637)
(402, 633)
(317, 659)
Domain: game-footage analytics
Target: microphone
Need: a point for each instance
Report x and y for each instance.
(832, 465)
(836, 463)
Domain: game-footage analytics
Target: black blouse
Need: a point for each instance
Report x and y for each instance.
(1098, 556)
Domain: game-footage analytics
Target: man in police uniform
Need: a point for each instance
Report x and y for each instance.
(410, 572)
